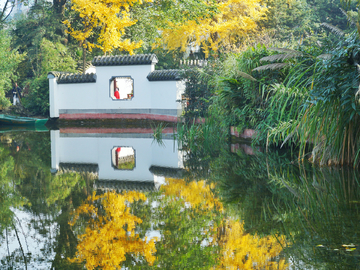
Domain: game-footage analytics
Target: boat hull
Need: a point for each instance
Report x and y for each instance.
(7, 120)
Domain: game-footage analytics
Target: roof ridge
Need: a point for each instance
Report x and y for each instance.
(165, 75)
(68, 77)
(124, 60)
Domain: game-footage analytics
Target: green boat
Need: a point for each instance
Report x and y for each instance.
(8, 120)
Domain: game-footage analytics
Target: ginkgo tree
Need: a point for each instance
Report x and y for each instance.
(228, 26)
(107, 19)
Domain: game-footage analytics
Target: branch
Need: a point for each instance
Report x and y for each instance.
(5, 8)
(22, 250)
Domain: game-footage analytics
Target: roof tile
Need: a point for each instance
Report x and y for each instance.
(120, 185)
(165, 75)
(124, 60)
(66, 77)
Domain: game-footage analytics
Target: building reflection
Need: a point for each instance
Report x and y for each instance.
(119, 158)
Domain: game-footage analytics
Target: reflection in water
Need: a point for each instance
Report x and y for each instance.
(110, 232)
(321, 210)
(123, 158)
(313, 207)
(114, 156)
(239, 216)
(193, 232)
(235, 248)
(34, 219)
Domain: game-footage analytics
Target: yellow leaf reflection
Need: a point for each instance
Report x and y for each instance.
(241, 250)
(110, 231)
(238, 249)
(197, 194)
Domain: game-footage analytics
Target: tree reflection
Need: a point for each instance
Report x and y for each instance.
(110, 232)
(9, 197)
(320, 211)
(317, 209)
(27, 185)
(193, 232)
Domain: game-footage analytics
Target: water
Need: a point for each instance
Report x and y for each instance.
(116, 196)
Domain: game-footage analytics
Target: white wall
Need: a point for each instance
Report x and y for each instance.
(96, 96)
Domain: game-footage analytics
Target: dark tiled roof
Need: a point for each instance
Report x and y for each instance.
(167, 171)
(124, 60)
(65, 77)
(165, 75)
(79, 167)
(120, 185)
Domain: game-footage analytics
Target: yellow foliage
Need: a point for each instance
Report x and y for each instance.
(111, 16)
(234, 21)
(245, 251)
(109, 237)
(239, 250)
(197, 194)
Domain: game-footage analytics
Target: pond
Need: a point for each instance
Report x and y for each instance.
(101, 198)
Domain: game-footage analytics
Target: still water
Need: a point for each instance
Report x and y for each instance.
(115, 198)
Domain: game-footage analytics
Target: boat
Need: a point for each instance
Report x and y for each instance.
(9, 120)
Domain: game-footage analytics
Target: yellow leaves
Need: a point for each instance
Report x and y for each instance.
(234, 21)
(245, 251)
(197, 194)
(110, 232)
(239, 250)
(111, 16)
(108, 237)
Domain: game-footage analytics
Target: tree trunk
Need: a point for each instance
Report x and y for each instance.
(59, 6)
(84, 59)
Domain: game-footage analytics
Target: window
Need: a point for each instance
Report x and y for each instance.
(123, 158)
(122, 88)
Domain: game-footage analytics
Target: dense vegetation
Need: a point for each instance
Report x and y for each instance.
(303, 94)
(291, 73)
(283, 68)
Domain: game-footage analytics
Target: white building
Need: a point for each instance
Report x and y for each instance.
(144, 93)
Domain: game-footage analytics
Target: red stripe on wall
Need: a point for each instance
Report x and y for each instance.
(78, 116)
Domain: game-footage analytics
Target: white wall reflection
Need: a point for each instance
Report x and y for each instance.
(74, 150)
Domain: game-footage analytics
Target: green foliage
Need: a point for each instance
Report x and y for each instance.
(37, 101)
(53, 57)
(9, 61)
(29, 32)
(242, 98)
(326, 87)
(289, 19)
(308, 95)
(329, 11)
(40, 35)
(197, 92)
